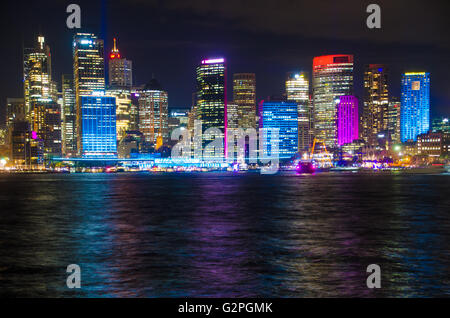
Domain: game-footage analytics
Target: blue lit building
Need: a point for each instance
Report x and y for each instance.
(282, 115)
(415, 105)
(98, 126)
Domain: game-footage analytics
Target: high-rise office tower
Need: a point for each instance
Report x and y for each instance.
(233, 115)
(15, 111)
(347, 120)
(192, 116)
(415, 105)
(89, 74)
(233, 120)
(376, 102)
(332, 78)
(98, 126)
(154, 113)
(440, 124)
(134, 110)
(120, 70)
(47, 125)
(244, 96)
(123, 110)
(68, 114)
(26, 147)
(37, 75)
(41, 94)
(212, 101)
(283, 116)
(178, 118)
(297, 89)
(394, 119)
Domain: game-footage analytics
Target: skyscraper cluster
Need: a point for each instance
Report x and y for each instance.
(89, 117)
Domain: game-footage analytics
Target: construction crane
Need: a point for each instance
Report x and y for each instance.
(327, 155)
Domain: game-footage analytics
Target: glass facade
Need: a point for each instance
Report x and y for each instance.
(347, 120)
(440, 125)
(297, 89)
(37, 75)
(68, 113)
(98, 126)
(376, 102)
(283, 116)
(211, 99)
(244, 96)
(332, 78)
(154, 113)
(394, 119)
(123, 110)
(120, 70)
(47, 125)
(415, 105)
(88, 72)
(15, 111)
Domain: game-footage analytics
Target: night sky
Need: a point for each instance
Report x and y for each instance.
(168, 38)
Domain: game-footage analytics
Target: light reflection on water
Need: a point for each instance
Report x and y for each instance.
(211, 234)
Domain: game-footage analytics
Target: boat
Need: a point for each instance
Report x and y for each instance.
(306, 167)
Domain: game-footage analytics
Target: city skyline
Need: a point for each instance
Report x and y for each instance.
(270, 64)
(247, 150)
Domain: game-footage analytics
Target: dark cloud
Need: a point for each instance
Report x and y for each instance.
(404, 21)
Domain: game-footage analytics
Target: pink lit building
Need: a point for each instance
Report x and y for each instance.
(347, 120)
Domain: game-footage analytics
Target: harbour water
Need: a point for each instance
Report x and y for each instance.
(224, 234)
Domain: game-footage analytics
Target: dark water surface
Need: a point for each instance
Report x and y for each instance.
(211, 234)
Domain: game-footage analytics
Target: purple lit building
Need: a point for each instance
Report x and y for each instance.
(347, 119)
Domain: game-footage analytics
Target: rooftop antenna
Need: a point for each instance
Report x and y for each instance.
(115, 48)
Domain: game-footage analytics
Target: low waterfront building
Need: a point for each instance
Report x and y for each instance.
(433, 144)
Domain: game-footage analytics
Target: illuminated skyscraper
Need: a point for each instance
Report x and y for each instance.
(40, 94)
(68, 113)
(283, 116)
(37, 75)
(26, 148)
(98, 126)
(89, 74)
(376, 102)
(394, 119)
(347, 120)
(297, 89)
(120, 84)
(47, 125)
(415, 105)
(154, 113)
(211, 99)
(233, 115)
(244, 96)
(123, 110)
(332, 78)
(120, 70)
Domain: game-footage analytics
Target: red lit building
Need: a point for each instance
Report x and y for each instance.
(332, 78)
(120, 70)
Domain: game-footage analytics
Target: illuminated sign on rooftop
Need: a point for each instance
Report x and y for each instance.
(213, 61)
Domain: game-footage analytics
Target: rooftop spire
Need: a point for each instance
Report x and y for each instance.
(114, 52)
